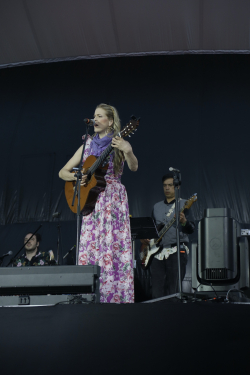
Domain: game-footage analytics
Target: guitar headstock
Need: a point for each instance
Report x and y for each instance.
(130, 127)
(190, 201)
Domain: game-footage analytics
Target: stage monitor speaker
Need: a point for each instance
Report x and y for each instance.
(56, 280)
(216, 258)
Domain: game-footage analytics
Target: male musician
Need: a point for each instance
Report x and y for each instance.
(164, 266)
(32, 256)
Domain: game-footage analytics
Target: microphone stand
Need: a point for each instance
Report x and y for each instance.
(69, 252)
(177, 184)
(12, 259)
(58, 243)
(57, 216)
(78, 174)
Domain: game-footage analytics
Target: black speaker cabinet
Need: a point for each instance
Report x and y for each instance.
(216, 259)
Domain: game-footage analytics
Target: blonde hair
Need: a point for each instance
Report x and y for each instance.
(112, 114)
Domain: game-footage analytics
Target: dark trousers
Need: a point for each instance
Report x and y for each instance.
(164, 275)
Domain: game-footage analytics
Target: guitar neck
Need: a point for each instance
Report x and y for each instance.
(129, 128)
(168, 225)
(101, 159)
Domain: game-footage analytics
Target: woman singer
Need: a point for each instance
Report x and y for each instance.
(105, 233)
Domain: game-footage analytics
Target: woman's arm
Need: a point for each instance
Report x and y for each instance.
(131, 160)
(125, 146)
(65, 173)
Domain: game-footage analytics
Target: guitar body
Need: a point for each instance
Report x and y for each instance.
(89, 194)
(147, 251)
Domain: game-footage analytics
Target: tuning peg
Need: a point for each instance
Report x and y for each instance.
(129, 136)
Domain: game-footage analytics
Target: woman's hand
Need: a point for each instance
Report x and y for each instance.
(121, 144)
(125, 147)
(84, 178)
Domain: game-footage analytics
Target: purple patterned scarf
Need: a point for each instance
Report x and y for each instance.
(98, 145)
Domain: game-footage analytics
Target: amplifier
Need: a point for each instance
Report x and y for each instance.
(49, 280)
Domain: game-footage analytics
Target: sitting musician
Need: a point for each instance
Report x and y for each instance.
(164, 266)
(34, 257)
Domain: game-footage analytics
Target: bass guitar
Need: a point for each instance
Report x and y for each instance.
(95, 169)
(154, 247)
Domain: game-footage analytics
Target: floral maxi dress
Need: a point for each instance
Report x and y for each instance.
(106, 240)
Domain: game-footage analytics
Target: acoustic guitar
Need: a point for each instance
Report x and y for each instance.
(95, 169)
(154, 247)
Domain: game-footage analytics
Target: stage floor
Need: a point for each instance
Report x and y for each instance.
(171, 338)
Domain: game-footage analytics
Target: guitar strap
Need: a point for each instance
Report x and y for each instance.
(171, 210)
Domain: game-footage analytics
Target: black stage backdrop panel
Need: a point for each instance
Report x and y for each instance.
(194, 116)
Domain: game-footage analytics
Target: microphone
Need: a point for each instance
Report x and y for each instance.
(56, 214)
(5, 255)
(174, 169)
(89, 121)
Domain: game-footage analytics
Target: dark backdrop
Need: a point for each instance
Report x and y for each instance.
(194, 116)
